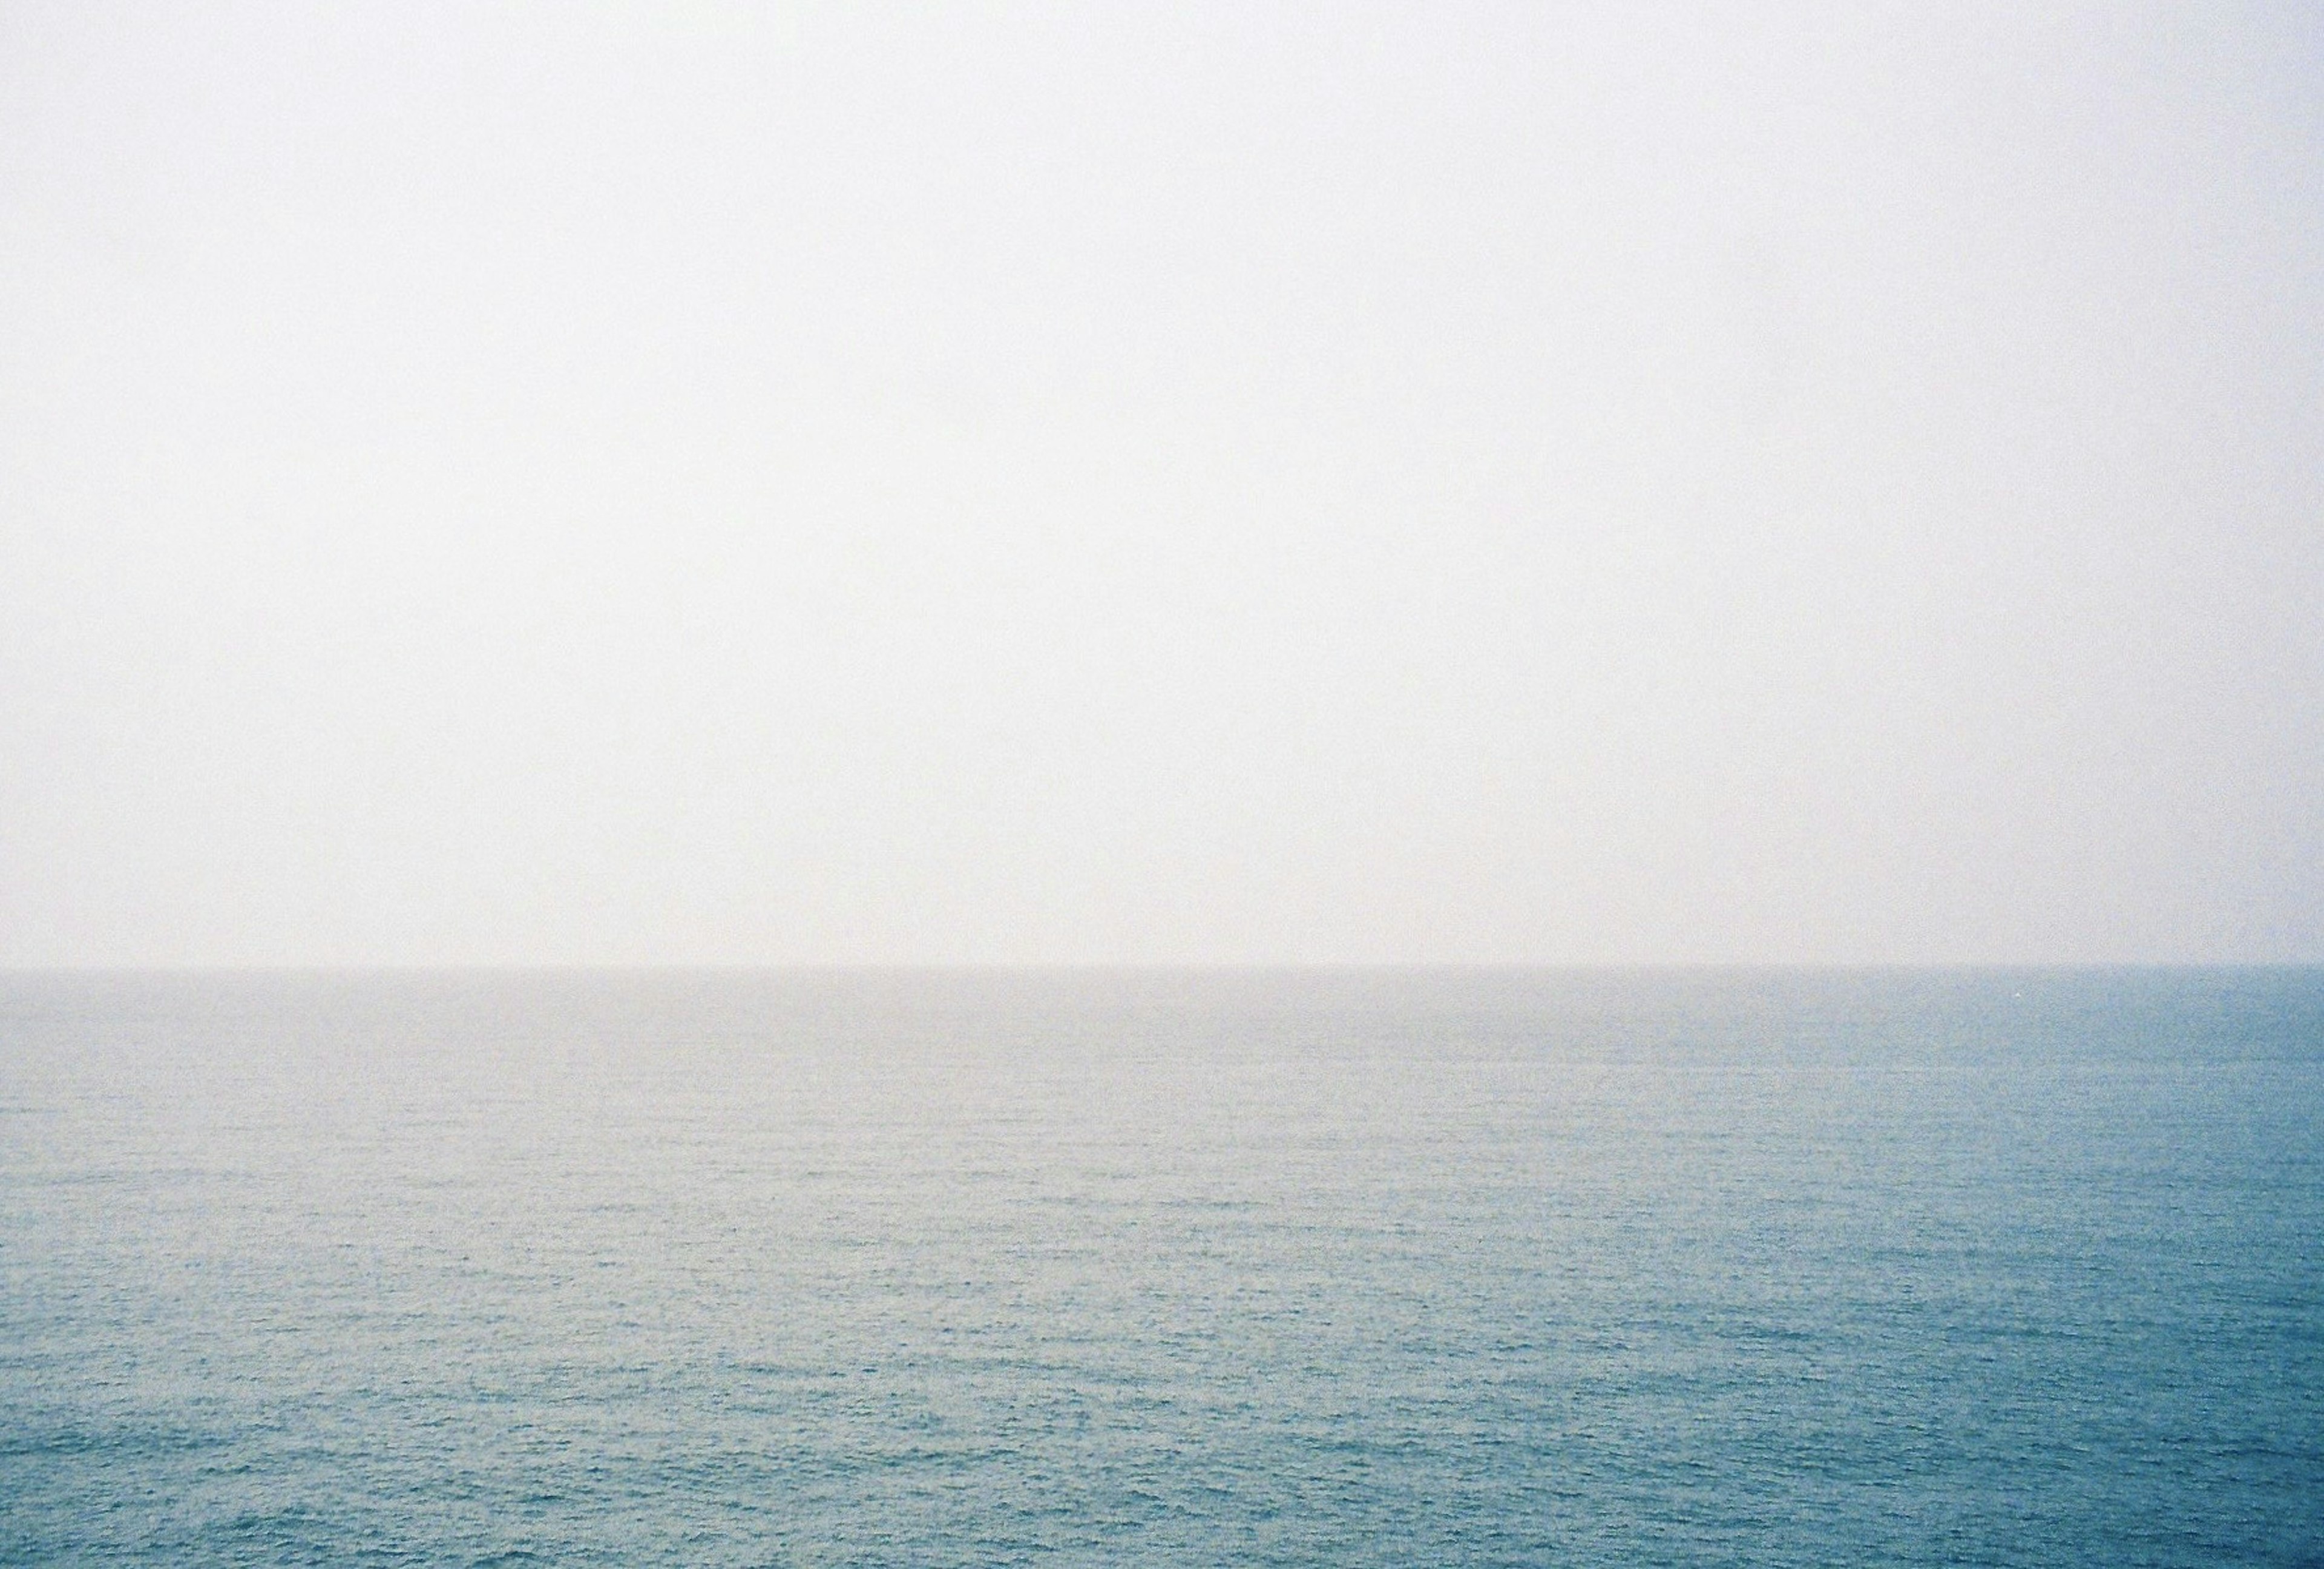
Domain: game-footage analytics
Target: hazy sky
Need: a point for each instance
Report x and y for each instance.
(1174, 483)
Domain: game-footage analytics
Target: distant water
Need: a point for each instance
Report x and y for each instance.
(1428, 1269)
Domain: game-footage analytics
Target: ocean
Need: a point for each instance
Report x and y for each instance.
(1415, 1267)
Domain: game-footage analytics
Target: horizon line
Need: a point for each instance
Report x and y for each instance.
(1113, 966)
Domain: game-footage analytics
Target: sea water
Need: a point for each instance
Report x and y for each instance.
(1361, 1268)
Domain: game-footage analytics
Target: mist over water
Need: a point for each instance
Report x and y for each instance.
(1463, 1268)
(489, 488)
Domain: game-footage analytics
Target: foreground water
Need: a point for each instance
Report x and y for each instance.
(1444, 1268)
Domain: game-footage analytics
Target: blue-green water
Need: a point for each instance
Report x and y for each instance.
(1412, 1269)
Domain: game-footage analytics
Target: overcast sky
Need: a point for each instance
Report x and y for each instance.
(504, 482)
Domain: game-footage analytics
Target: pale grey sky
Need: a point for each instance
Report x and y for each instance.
(506, 482)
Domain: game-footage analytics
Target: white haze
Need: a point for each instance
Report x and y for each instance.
(539, 483)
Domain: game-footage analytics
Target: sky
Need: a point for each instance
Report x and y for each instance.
(1190, 484)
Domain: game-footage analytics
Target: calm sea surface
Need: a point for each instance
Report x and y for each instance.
(1320, 1268)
